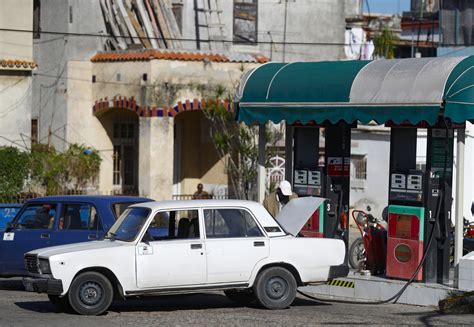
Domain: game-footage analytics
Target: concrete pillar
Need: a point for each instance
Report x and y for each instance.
(459, 204)
(155, 157)
(261, 163)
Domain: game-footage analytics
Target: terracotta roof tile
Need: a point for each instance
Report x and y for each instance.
(185, 55)
(17, 64)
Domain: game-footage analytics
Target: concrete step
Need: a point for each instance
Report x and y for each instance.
(371, 288)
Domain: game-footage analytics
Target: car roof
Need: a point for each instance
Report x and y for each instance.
(91, 198)
(177, 204)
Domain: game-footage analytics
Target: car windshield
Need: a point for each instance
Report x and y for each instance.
(129, 224)
(7, 214)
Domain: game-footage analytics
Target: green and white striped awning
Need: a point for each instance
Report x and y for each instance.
(398, 90)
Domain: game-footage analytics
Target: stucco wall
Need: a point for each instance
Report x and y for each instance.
(374, 190)
(16, 14)
(15, 109)
(82, 126)
(156, 158)
(199, 161)
(15, 85)
(317, 21)
(53, 51)
(126, 78)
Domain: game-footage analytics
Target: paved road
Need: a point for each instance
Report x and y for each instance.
(19, 308)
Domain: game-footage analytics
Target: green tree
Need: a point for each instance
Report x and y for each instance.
(59, 173)
(237, 144)
(14, 169)
(384, 42)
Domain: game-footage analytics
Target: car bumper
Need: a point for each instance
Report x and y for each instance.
(338, 271)
(43, 285)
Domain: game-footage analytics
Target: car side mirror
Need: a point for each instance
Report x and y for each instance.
(9, 227)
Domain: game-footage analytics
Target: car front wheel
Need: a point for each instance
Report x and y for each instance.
(275, 288)
(91, 293)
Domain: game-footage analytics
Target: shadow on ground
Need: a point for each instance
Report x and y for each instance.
(165, 303)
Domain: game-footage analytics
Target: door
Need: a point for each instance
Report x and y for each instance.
(125, 156)
(33, 229)
(234, 245)
(172, 251)
(78, 222)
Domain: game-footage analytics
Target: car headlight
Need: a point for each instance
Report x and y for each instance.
(44, 266)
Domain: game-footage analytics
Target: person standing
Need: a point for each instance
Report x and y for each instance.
(276, 200)
(200, 193)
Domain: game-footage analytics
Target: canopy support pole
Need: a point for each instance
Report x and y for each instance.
(459, 203)
(261, 163)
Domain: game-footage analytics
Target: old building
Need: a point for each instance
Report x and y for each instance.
(126, 78)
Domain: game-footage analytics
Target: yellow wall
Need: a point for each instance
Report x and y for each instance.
(199, 159)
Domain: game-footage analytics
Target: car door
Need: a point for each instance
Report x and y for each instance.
(32, 229)
(234, 244)
(171, 253)
(78, 222)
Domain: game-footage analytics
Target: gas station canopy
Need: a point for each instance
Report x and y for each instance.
(397, 90)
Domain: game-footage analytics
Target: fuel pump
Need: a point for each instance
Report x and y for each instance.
(416, 210)
(337, 159)
(308, 177)
(331, 181)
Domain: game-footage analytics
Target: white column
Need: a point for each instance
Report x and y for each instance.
(458, 231)
(261, 163)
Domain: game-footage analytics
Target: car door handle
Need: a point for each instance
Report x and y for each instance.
(45, 235)
(258, 243)
(92, 237)
(196, 246)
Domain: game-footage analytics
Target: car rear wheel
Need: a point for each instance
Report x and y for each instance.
(60, 303)
(91, 293)
(275, 288)
(243, 297)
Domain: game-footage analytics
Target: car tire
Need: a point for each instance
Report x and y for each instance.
(91, 293)
(275, 288)
(243, 297)
(61, 303)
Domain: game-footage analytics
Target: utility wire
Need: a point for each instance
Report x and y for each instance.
(168, 39)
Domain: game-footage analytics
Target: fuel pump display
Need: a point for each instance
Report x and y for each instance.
(310, 183)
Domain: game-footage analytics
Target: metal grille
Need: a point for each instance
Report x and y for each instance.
(31, 264)
(359, 163)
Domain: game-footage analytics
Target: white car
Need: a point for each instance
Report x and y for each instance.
(190, 246)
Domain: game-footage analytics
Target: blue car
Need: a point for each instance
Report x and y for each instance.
(58, 220)
(8, 211)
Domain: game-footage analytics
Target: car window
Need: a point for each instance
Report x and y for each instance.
(228, 223)
(129, 224)
(79, 216)
(7, 214)
(119, 208)
(37, 216)
(174, 224)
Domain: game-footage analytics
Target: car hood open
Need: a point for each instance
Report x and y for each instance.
(296, 213)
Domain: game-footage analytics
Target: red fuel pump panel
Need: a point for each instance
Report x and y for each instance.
(405, 241)
(312, 226)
